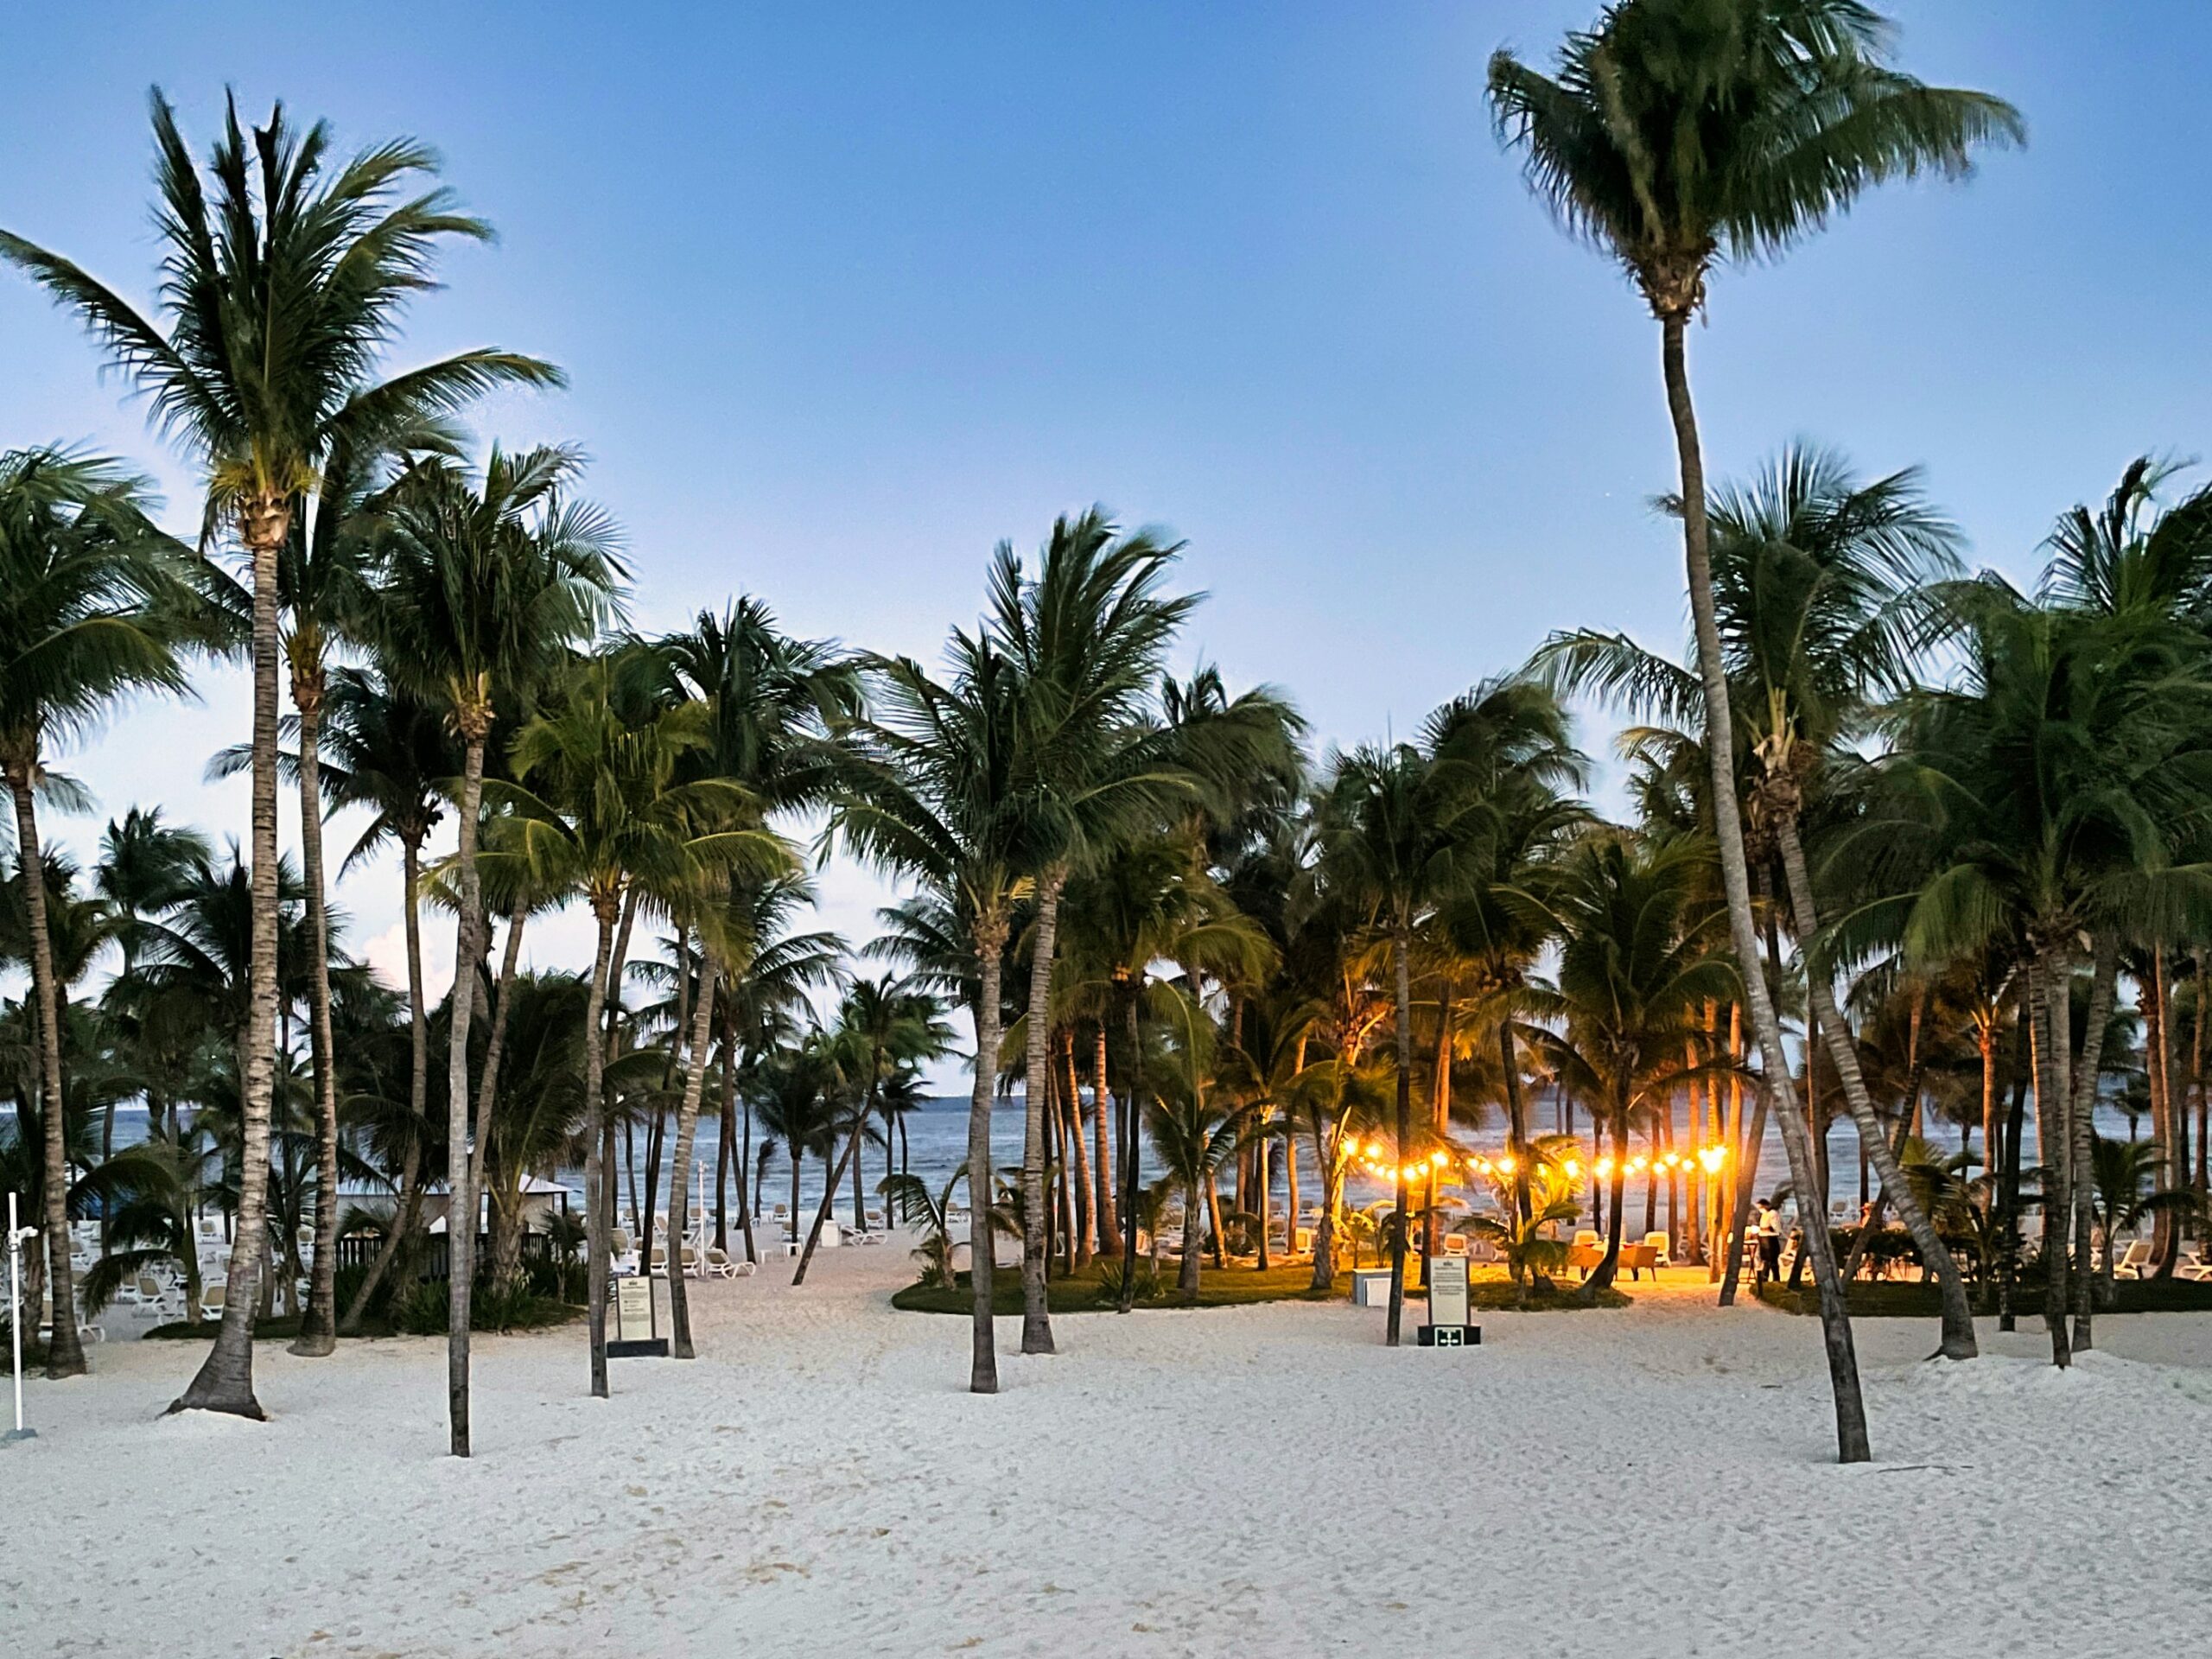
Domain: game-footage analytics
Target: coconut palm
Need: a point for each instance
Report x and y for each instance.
(95, 604)
(2037, 806)
(1825, 599)
(285, 275)
(600, 805)
(1677, 131)
(390, 751)
(1196, 1129)
(933, 794)
(1639, 960)
(483, 584)
(916, 1206)
(1087, 637)
(1536, 1198)
(1391, 825)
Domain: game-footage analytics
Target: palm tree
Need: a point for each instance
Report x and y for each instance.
(537, 1107)
(322, 586)
(1639, 960)
(282, 286)
(600, 805)
(1678, 130)
(483, 585)
(1194, 1130)
(1824, 589)
(917, 1206)
(1538, 1198)
(1390, 827)
(390, 751)
(933, 795)
(1088, 638)
(94, 605)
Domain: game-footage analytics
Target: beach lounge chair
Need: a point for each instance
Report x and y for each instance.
(689, 1260)
(1455, 1244)
(2131, 1265)
(718, 1264)
(1660, 1245)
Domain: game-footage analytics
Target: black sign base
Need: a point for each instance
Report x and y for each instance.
(1449, 1336)
(655, 1348)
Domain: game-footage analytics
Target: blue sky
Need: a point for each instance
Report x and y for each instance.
(847, 294)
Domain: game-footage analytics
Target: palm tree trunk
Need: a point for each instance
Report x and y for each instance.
(1958, 1338)
(1132, 1093)
(65, 1353)
(1102, 1101)
(224, 1380)
(596, 1185)
(1609, 1266)
(746, 1207)
(460, 1191)
(2156, 1009)
(1086, 1219)
(418, 1087)
(679, 1169)
(318, 1334)
(1036, 1312)
(1186, 1275)
(990, 950)
(1401, 954)
(1516, 1114)
(2049, 984)
(2081, 1136)
(487, 1086)
(1852, 1443)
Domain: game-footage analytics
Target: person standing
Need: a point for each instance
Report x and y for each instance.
(1769, 1237)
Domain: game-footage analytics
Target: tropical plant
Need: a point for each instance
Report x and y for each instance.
(284, 279)
(94, 605)
(1674, 132)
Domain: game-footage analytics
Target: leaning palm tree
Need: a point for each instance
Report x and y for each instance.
(483, 585)
(1676, 131)
(932, 794)
(94, 605)
(282, 286)
(1826, 598)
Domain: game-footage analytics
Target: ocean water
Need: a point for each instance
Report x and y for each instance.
(937, 1145)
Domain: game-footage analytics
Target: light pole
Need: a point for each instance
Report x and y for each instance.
(16, 1237)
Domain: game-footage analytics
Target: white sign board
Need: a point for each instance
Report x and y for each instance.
(1447, 1290)
(633, 1310)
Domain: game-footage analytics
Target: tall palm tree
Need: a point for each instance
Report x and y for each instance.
(1195, 1129)
(933, 795)
(483, 585)
(1825, 596)
(1088, 637)
(390, 751)
(94, 605)
(1676, 131)
(285, 276)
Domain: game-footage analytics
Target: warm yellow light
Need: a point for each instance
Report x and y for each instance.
(1505, 1164)
(1436, 1157)
(1637, 1165)
(1713, 1157)
(1605, 1168)
(1573, 1167)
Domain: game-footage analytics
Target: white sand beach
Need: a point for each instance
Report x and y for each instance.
(1655, 1480)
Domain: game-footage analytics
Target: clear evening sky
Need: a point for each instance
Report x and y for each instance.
(847, 294)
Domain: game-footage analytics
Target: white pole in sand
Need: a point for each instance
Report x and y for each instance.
(16, 1238)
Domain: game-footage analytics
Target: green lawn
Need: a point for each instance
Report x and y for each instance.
(1890, 1299)
(1085, 1291)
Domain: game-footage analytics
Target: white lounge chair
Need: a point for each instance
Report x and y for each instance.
(718, 1264)
(1659, 1243)
(2134, 1260)
(1455, 1244)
